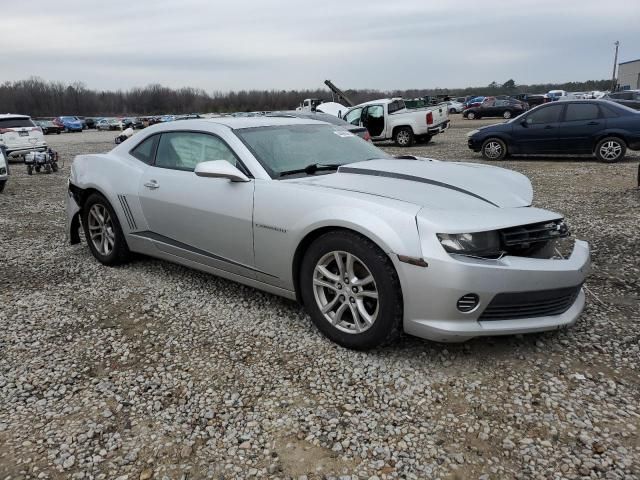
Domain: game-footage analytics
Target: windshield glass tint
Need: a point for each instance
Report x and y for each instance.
(291, 147)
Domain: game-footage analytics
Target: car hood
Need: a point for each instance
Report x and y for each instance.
(431, 184)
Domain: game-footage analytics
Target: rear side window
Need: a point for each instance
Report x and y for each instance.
(16, 122)
(545, 115)
(581, 111)
(395, 106)
(146, 150)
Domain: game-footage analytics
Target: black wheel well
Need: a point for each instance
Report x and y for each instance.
(303, 246)
(398, 127)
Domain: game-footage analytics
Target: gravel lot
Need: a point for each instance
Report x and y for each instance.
(153, 370)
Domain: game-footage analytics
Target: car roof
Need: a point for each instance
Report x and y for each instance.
(12, 115)
(252, 122)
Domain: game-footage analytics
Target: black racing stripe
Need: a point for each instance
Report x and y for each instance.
(126, 205)
(156, 237)
(411, 178)
(126, 213)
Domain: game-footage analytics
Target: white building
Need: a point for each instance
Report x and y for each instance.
(629, 75)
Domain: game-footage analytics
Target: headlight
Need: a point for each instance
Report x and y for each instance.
(480, 243)
(472, 133)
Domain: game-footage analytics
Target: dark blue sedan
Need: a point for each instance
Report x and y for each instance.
(599, 127)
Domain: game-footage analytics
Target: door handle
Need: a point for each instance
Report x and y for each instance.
(152, 184)
(593, 123)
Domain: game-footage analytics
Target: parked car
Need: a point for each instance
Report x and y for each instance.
(491, 107)
(134, 123)
(90, 122)
(4, 169)
(369, 244)
(109, 124)
(20, 135)
(47, 127)
(388, 118)
(68, 124)
(324, 117)
(599, 127)
(474, 102)
(531, 99)
(556, 95)
(455, 106)
(629, 98)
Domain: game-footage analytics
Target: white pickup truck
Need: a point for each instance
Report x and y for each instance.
(389, 118)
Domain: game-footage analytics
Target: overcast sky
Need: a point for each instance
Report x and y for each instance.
(285, 44)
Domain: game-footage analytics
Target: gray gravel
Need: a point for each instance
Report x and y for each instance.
(153, 370)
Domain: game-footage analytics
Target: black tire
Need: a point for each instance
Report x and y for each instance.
(38, 169)
(472, 115)
(120, 251)
(611, 149)
(387, 325)
(452, 110)
(403, 137)
(54, 167)
(2, 184)
(29, 170)
(507, 114)
(494, 149)
(58, 132)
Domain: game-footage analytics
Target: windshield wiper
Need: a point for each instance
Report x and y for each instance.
(311, 169)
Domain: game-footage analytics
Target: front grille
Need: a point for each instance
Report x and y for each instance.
(525, 236)
(540, 303)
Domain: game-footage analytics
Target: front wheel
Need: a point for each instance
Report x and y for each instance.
(471, 115)
(403, 137)
(351, 291)
(611, 150)
(103, 231)
(494, 149)
(507, 114)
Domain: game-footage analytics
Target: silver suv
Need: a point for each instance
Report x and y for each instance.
(20, 135)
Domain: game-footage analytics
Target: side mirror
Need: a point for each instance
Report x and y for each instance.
(524, 123)
(220, 169)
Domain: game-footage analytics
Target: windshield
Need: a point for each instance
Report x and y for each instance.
(291, 147)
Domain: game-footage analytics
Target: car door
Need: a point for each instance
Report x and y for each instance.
(373, 121)
(202, 219)
(354, 116)
(578, 128)
(536, 132)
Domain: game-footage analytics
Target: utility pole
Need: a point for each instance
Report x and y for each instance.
(615, 64)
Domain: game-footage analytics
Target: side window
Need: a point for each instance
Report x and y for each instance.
(145, 150)
(375, 111)
(184, 150)
(581, 111)
(353, 117)
(545, 115)
(394, 107)
(608, 112)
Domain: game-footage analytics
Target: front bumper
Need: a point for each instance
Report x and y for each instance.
(73, 217)
(431, 294)
(474, 144)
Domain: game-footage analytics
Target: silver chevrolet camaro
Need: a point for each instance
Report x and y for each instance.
(371, 245)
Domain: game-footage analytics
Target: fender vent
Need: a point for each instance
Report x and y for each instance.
(127, 212)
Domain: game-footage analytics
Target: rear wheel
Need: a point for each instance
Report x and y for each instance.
(351, 291)
(494, 149)
(611, 150)
(29, 170)
(403, 137)
(471, 115)
(507, 114)
(2, 184)
(103, 232)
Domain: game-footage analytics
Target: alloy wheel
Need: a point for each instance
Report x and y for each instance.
(493, 150)
(610, 150)
(507, 114)
(471, 115)
(101, 229)
(403, 137)
(345, 292)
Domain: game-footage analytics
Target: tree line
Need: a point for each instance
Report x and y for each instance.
(40, 98)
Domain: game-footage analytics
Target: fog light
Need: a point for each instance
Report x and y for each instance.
(468, 302)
